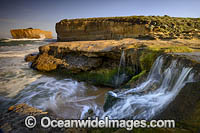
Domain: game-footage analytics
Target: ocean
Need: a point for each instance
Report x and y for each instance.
(65, 97)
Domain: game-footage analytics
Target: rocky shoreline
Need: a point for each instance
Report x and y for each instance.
(98, 61)
(140, 54)
(94, 57)
(13, 121)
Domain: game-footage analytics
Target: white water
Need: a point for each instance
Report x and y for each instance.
(42, 38)
(121, 72)
(153, 95)
(15, 73)
(71, 99)
(65, 97)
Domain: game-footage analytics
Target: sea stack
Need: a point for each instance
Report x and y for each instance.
(30, 33)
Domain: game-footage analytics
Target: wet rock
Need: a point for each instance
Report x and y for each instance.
(98, 61)
(82, 63)
(110, 99)
(13, 120)
(92, 61)
(47, 63)
(31, 57)
(90, 113)
(25, 109)
(185, 107)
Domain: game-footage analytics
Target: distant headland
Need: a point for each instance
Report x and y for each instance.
(30, 33)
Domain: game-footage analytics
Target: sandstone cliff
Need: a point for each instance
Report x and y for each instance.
(30, 33)
(149, 27)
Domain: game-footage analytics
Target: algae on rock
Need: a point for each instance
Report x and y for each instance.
(98, 61)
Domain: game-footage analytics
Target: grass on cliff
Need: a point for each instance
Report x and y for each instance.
(166, 24)
(171, 49)
(140, 19)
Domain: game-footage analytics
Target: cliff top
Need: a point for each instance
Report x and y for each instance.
(155, 20)
(27, 29)
(134, 18)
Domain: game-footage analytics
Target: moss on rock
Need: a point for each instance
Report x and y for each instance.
(104, 76)
(147, 59)
(101, 76)
(134, 79)
(171, 48)
(97, 61)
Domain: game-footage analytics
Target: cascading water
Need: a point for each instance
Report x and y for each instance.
(68, 98)
(121, 70)
(153, 95)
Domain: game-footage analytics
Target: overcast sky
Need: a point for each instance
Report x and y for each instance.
(44, 14)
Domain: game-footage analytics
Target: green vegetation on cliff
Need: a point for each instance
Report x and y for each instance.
(167, 21)
(146, 27)
(98, 61)
(147, 59)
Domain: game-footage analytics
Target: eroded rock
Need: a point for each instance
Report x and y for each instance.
(45, 62)
(144, 27)
(30, 33)
(98, 61)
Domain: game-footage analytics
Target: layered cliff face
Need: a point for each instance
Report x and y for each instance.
(98, 30)
(150, 27)
(30, 33)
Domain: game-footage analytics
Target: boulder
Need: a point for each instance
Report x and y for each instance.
(31, 57)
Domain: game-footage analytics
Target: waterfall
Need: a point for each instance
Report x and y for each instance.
(121, 70)
(152, 96)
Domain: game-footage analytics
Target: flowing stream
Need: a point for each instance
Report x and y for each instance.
(121, 70)
(153, 95)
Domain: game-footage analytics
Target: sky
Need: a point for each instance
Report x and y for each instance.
(44, 14)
